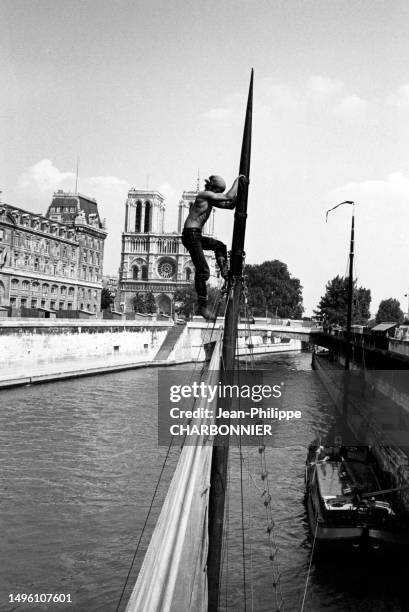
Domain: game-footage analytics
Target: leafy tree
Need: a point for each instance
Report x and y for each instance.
(185, 300)
(333, 306)
(106, 298)
(271, 287)
(138, 303)
(150, 304)
(389, 311)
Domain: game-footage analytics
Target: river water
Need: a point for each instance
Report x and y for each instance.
(79, 466)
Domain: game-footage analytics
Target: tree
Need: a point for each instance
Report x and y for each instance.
(185, 300)
(271, 287)
(150, 304)
(138, 303)
(106, 298)
(389, 311)
(333, 306)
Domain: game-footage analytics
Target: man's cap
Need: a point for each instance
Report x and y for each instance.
(218, 181)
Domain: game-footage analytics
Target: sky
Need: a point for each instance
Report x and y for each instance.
(148, 94)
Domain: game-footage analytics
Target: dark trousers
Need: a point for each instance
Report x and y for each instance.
(195, 243)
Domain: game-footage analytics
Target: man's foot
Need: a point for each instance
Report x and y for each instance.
(206, 313)
(224, 271)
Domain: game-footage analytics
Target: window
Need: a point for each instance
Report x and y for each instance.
(81, 306)
(71, 291)
(88, 307)
(15, 284)
(36, 286)
(52, 305)
(135, 272)
(54, 289)
(2, 234)
(69, 305)
(33, 303)
(25, 285)
(61, 306)
(45, 288)
(63, 290)
(13, 302)
(42, 303)
(24, 302)
(36, 263)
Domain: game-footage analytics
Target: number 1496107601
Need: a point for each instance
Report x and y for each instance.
(40, 598)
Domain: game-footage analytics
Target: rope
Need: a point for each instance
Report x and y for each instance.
(309, 567)
(242, 517)
(144, 525)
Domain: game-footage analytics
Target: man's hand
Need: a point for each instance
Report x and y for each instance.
(243, 180)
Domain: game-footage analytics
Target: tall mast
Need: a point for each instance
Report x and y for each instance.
(220, 453)
(350, 289)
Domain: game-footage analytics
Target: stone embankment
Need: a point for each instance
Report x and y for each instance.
(40, 350)
(33, 351)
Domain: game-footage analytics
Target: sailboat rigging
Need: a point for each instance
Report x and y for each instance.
(181, 568)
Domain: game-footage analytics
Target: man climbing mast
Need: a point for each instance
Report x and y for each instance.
(195, 243)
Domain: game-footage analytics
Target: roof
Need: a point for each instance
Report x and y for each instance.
(79, 201)
(384, 326)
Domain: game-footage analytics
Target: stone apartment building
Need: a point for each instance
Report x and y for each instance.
(52, 261)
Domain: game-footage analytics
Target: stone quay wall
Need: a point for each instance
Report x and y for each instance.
(28, 343)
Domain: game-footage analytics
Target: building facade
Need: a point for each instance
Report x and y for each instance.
(151, 259)
(53, 261)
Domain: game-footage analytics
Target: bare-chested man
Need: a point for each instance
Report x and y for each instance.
(195, 243)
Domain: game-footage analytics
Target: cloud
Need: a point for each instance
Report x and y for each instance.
(351, 107)
(37, 184)
(223, 116)
(324, 86)
(395, 186)
(400, 97)
(43, 178)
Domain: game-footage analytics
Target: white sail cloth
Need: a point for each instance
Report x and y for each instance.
(173, 575)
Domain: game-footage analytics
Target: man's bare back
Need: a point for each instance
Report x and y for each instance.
(212, 196)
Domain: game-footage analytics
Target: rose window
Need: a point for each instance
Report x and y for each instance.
(166, 269)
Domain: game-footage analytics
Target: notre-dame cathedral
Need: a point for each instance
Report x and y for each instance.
(152, 260)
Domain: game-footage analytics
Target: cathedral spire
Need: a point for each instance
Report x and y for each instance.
(198, 181)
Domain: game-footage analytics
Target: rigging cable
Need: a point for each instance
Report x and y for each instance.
(309, 567)
(144, 525)
(242, 508)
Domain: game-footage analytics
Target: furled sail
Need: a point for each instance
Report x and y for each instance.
(173, 574)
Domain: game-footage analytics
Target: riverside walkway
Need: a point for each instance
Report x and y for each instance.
(40, 372)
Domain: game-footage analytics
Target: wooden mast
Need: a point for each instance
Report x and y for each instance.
(221, 452)
(350, 289)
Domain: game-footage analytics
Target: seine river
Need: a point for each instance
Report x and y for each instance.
(79, 465)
